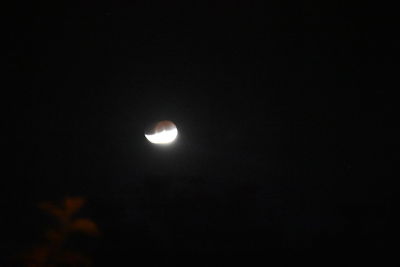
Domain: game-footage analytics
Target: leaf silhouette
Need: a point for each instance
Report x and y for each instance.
(53, 251)
(71, 258)
(37, 257)
(73, 204)
(52, 209)
(54, 236)
(86, 226)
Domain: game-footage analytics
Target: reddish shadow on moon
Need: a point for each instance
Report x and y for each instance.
(162, 132)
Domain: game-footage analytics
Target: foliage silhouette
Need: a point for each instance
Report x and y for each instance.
(54, 252)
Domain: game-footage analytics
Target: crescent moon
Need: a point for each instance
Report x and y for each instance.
(164, 133)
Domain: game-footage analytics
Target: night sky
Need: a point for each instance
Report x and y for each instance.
(287, 129)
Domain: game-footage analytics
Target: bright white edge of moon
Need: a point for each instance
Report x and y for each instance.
(164, 137)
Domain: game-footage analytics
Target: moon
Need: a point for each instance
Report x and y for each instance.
(162, 133)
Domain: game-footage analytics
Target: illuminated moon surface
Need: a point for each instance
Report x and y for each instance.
(163, 132)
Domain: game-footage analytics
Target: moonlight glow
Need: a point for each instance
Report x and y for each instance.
(164, 132)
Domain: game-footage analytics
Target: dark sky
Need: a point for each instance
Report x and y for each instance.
(287, 128)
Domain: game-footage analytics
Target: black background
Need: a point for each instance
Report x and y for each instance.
(287, 127)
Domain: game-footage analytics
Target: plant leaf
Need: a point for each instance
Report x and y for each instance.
(73, 204)
(53, 235)
(70, 258)
(37, 256)
(52, 209)
(86, 226)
